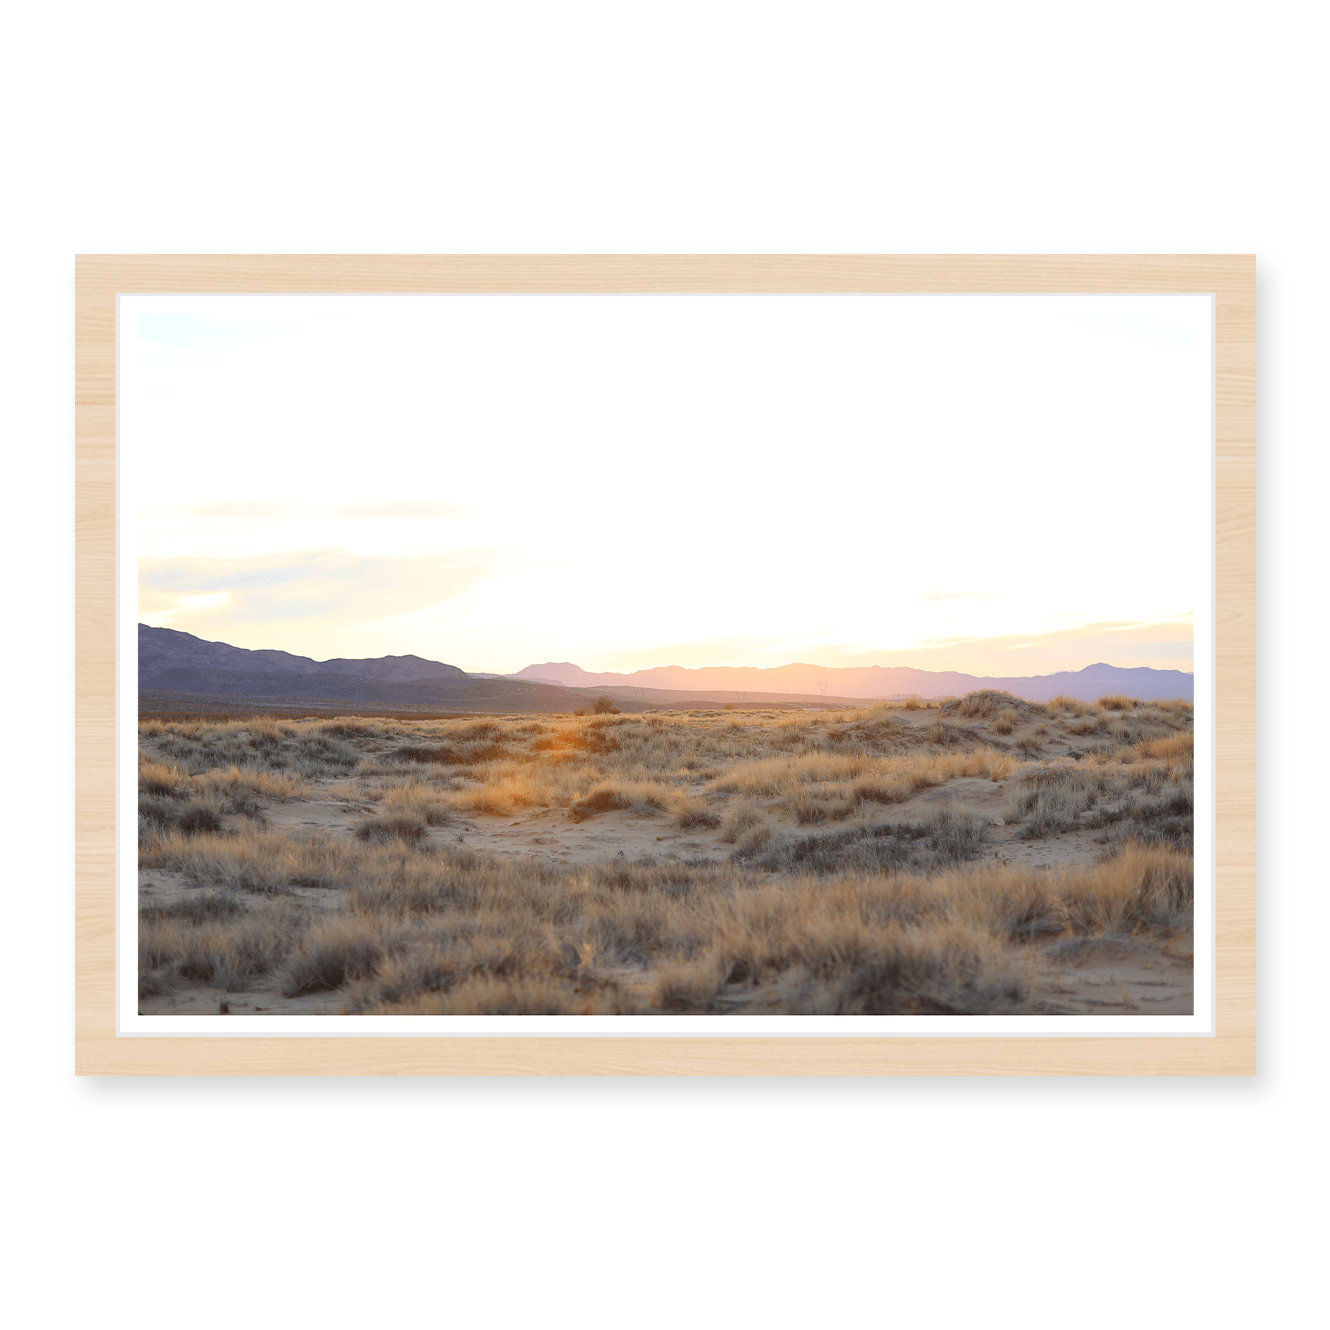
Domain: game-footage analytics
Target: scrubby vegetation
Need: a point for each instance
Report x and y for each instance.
(900, 857)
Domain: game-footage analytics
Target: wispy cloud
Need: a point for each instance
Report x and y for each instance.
(183, 606)
(315, 594)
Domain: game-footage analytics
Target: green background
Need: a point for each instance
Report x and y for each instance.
(615, 124)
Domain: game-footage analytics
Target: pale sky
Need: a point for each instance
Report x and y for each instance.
(997, 484)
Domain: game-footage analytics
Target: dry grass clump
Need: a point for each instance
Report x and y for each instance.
(689, 985)
(170, 800)
(1052, 798)
(262, 744)
(503, 794)
(987, 702)
(281, 786)
(641, 797)
(1175, 706)
(1130, 730)
(1088, 724)
(1141, 798)
(991, 763)
(456, 755)
(1170, 748)
(1006, 721)
(417, 800)
(742, 816)
(345, 727)
(264, 732)
(225, 948)
(828, 786)
(776, 775)
(157, 778)
(199, 907)
(848, 968)
(750, 841)
(875, 730)
(1138, 887)
(1164, 817)
(164, 815)
(946, 838)
(407, 826)
(1063, 703)
(816, 804)
(1048, 811)
(897, 779)
(691, 813)
(894, 787)
(315, 755)
(486, 995)
(263, 861)
(330, 955)
(1116, 702)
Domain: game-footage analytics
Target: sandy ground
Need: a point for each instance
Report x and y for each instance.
(1095, 976)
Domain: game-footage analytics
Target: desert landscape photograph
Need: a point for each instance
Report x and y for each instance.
(643, 657)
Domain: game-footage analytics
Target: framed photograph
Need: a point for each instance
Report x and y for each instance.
(658, 665)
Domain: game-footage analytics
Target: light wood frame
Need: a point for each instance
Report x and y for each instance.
(1230, 1051)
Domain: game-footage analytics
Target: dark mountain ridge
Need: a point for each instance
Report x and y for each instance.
(172, 662)
(182, 662)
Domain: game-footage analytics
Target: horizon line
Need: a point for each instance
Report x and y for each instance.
(692, 669)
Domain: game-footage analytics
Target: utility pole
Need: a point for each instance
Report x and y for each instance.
(822, 684)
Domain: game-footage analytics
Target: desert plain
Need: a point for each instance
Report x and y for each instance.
(977, 855)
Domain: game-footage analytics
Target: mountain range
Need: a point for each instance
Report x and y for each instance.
(172, 663)
(873, 681)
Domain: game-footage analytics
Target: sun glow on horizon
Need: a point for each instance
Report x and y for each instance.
(628, 481)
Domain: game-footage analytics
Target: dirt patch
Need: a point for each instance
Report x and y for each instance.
(1116, 976)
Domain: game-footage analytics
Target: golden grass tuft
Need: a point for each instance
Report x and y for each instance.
(418, 800)
(1064, 703)
(157, 778)
(331, 954)
(606, 796)
(987, 702)
(1116, 702)
(742, 816)
(1173, 746)
(406, 826)
(282, 786)
(690, 813)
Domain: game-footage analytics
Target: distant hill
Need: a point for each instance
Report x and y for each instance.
(181, 662)
(873, 681)
(175, 665)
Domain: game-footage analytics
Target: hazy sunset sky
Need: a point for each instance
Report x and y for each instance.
(1003, 485)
